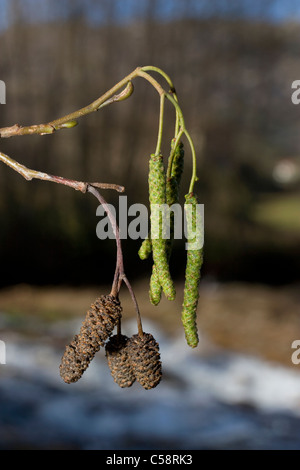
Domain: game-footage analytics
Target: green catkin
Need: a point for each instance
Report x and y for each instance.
(155, 287)
(172, 187)
(177, 170)
(192, 277)
(145, 249)
(172, 197)
(157, 197)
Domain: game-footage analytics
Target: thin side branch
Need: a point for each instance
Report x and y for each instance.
(120, 275)
(70, 120)
(30, 174)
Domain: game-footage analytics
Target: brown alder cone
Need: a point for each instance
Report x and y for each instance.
(98, 325)
(118, 361)
(145, 360)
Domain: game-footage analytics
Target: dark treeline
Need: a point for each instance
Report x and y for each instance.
(233, 79)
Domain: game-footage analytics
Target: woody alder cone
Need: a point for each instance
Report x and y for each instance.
(118, 361)
(145, 360)
(98, 325)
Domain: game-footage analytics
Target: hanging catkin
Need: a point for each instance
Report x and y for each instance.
(157, 197)
(145, 360)
(145, 249)
(155, 287)
(172, 197)
(117, 357)
(173, 183)
(192, 273)
(98, 325)
(172, 193)
(172, 187)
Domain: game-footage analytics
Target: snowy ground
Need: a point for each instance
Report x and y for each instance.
(207, 400)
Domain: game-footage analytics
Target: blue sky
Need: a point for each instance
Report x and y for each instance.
(126, 10)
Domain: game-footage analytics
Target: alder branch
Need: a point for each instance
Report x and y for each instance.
(70, 120)
(30, 174)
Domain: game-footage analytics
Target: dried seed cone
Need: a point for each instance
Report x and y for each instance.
(118, 360)
(145, 360)
(72, 364)
(98, 325)
(100, 321)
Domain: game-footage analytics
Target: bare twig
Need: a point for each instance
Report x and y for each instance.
(29, 174)
(116, 187)
(137, 310)
(120, 275)
(119, 263)
(70, 120)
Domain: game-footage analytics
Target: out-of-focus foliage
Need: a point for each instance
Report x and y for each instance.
(233, 78)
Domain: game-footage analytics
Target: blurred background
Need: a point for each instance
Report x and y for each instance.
(233, 63)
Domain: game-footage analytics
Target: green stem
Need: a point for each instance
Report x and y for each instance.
(172, 88)
(151, 80)
(171, 157)
(162, 73)
(178, 109)
(194, 177)
(161, 123)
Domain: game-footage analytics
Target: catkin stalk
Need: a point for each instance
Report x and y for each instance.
(192, 274)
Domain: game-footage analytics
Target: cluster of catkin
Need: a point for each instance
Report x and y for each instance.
(164, 189)
(129, 359)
